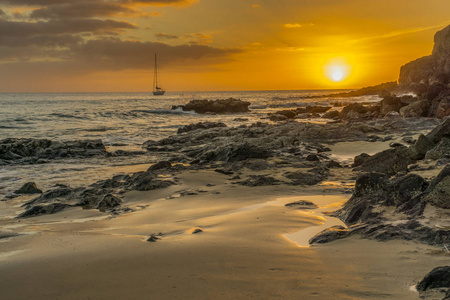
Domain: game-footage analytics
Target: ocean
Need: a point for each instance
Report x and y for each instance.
(122, 121)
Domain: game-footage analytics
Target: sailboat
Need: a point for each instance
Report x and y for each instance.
(157, 91)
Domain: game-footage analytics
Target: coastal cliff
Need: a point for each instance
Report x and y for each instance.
(433, 69)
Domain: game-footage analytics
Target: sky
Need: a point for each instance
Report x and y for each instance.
(211, 45)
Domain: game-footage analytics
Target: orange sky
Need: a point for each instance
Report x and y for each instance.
(106, 45)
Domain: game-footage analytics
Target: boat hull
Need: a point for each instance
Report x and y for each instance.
(159, 93)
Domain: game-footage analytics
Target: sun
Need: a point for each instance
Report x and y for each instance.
(337, 69)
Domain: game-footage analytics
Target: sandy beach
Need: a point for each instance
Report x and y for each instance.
(242, 253)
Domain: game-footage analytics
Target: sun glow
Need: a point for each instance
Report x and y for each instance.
(337, 69)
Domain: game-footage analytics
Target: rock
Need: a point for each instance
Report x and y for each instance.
(289, 114)
(146, 181)
(442, 149)
(351, 109)
(197, 230)
(236, 152)
(220, 106)
(302, 204)
(152, 238)
(312, 157)
(391, 161)
(380, 89)
(415, 109)
(43, 210)
(31, 150)
(438, 278)
(443, 108)
(433, 69)
(29, 188)
(407, 187)
(107, 202)
(420, 147)
(438, 192)
(391, 104)
(360, 159)
(317, 109)
(161, 165)
(330, 234)
(277, 118)
(439, 132)
(331, 114)
(312, 177)
(370, 183)
(223, 171)
(259, 180)
(200, 125)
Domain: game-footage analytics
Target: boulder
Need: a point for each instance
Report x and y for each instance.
(391, 104)
(390, 162)
(420, 147)
(415, 109)
(438, 278)
(108, 201)
(442, 149)
(331, 114)
(219, 106)
(29, 188)
(439, 132)
(352, 109)
(302, 204)
(443, 109)
(259, 180)
(289, 114)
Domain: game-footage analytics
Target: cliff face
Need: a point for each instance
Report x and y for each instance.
(433, 69)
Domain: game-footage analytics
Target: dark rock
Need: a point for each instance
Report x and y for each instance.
(380, 89)
(312, 177)
(312, 157)
(259, 180)
(200, 125)
(29, 188)
(438, 193)
(219, 106)
(415, 109)
(438, 278)
(330, 234)
(223, 171)
(107, 202)
(236, 152)
(161, 165)
(289, 114)
(391, 161)
(360, 159)
(146, 181)
(197, 230)
(152, 238)
(409, 140)
(420, 147)
(277, 118)
(442, 149)
(439, 132)
(407, 187)
(43, 210)
(395, 144)
(350, 110)
(443, 109)
(317, 109)
(370, 183)
(302, 204)
(331, 114)
(391, 104)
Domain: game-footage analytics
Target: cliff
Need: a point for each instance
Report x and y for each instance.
(433, 69)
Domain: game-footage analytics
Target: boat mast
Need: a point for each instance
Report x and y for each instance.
(155, 76)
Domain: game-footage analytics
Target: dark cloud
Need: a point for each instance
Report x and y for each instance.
(127, 2)
(56, 27)
(165, 36)
(80, 10)
(118, 54)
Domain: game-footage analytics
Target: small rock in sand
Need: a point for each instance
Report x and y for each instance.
(302, 204)
(197, 230)
(152, 238)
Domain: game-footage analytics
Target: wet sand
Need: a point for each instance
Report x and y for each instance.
(243, 252)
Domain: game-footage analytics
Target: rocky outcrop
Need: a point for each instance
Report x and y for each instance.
(102, 195)
(433, 69)
(33, 150)
(200, 125)
(384, 209)
(219, 106)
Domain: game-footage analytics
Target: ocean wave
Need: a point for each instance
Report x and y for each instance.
(177, 111)
(67, 116)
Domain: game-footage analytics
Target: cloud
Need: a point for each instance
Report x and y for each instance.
(113, 54)
(297, 25)
(126, 2)
(165, 36)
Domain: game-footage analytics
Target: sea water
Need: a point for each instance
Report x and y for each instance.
(122, 121)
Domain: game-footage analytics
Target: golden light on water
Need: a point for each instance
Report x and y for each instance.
(337, 69)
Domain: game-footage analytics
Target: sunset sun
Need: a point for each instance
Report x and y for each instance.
(337, 70)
